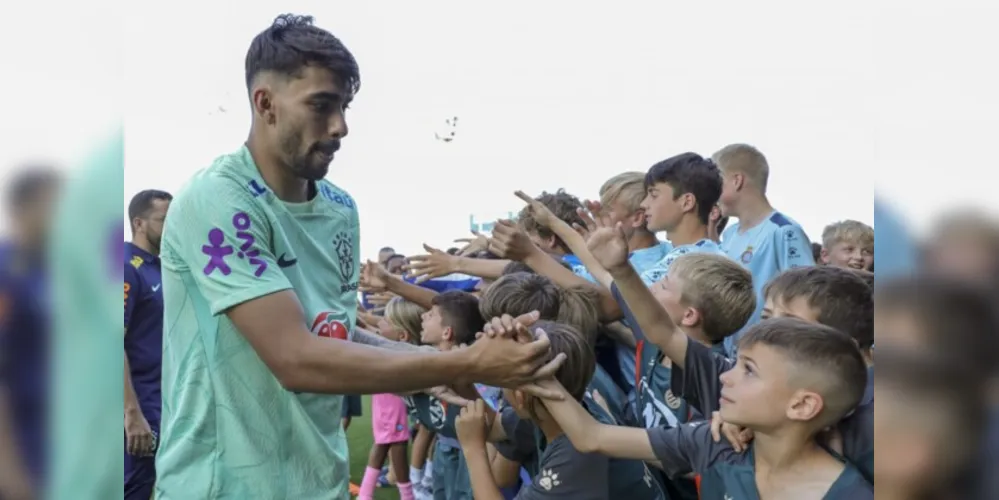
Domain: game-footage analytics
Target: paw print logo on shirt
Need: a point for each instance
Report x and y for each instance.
(548, 480)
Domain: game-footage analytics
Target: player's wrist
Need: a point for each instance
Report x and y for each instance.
(462, 365)
(622, 270)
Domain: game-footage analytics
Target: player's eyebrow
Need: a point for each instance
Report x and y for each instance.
(326, 95)
(749, 361)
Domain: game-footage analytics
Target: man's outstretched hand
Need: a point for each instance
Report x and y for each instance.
(501, 361)
(517, 329)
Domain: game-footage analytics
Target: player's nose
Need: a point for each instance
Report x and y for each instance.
(338, 126)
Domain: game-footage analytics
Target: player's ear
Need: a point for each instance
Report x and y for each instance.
(691, 317)
(637, 219)
(824, 256)
(448, 334)
(262, 97)
(804, 406)
(404, 336)
(738, 181)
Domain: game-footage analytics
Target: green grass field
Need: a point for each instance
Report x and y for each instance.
(359, 439)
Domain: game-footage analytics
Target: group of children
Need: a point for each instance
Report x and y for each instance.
(725, 363)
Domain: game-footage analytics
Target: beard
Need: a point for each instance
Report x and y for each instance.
(310, 163)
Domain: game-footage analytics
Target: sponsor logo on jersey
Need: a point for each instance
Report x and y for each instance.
(331, 325)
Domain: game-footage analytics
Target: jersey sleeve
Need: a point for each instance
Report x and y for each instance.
(687, 448)
(567, 473)
(698, 383)
(220, 232)
(132, 284)
(519, 445)
(793, 248)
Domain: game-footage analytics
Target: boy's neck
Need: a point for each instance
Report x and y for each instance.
(753, 210)
(689, 231)
(549, 428)
(784, 449)
(444, 345)
(641, 239)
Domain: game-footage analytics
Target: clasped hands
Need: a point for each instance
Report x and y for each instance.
(508, 354)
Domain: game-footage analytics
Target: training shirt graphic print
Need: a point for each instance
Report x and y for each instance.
(229, 428)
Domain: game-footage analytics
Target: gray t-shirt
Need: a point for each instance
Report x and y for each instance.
(726, 474)
(698, 383)
(567, 473)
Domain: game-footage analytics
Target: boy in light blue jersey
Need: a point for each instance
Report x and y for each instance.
(260, 259)
(764, 240)
(681, 191)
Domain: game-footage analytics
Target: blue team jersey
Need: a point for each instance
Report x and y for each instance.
(768, 249)
(641, 259)
(24, 335)
(895, 252)
(661, 268)
(144, 328)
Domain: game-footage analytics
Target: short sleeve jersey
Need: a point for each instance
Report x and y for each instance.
(229, 429)
(656, 272)
(726, 474)
(767, 249)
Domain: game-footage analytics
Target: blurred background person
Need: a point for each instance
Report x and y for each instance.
(24, 331)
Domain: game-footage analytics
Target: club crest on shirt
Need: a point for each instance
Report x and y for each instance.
(747, 256)
(331, 325)
(136, 261)
(343, 246)
(672, 401)
(790, 234)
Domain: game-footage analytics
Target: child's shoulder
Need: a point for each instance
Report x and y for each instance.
(690, 447)
(568, 473)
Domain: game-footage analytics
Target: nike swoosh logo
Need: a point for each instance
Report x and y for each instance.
(156, 288)
(284, 261)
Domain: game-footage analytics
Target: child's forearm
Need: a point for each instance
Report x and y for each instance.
(479, 473)
(416, 294)
(577, 245)
(575, 422)
(652, 318)
(548, 267)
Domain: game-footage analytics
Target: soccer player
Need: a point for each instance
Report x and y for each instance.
(24, 332)
(260, 262)
(143, 339)
(764, 240)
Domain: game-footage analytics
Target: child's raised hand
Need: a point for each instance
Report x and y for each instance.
(434, 264)
(471, 424)
(738, 437)
(609, 246)
(539, 211)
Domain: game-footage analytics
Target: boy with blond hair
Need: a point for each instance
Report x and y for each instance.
(848, 244)
(764, 240)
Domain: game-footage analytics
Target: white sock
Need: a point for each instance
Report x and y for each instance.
(415, 475)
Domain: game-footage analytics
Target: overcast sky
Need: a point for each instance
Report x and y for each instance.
(554, 94)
